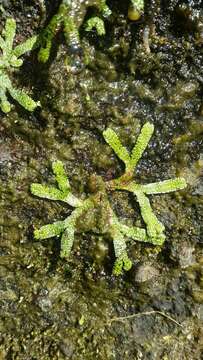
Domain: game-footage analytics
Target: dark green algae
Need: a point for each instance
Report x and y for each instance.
(53, 309)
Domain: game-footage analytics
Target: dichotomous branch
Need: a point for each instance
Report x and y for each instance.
(119, 232)
(10, 59)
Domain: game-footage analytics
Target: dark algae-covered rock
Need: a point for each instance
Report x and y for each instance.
(146, 67)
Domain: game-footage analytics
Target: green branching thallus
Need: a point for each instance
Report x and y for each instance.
(9, 61)
(116, 230)
(69, 18)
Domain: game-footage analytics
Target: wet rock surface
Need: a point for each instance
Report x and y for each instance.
(53, 309)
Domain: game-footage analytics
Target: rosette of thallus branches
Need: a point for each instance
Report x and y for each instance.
(114, 227)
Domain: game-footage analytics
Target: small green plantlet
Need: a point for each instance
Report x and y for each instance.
(97, 23)
(108, 221)
(9, 61)
(69, 18)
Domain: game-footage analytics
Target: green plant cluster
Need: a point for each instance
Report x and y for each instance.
(9, 61)
(68, 18)
(10, 56)
(119, 232)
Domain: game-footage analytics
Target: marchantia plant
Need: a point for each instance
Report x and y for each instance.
(9, 60)
(108, 221)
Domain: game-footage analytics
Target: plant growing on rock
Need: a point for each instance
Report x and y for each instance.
(9, 61)
(108, 221)
(69, 17)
